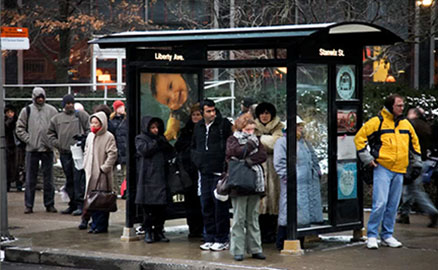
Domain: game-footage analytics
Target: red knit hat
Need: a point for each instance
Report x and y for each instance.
(117, 104)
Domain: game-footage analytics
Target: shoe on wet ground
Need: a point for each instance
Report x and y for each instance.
(51, 209)
(67, 211)
(83, 225)
(259, 256)
(433, 221)
(372, 243)
(403, 219)
(220, 246)
(28, 210)
(77, 212)
(391, 242)
(206, 245)
(238, 258)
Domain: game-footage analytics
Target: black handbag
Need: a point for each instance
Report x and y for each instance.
(178, 178)
(100, 200)
(240, 175)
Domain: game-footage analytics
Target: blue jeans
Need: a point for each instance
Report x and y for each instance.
(387, 189)
(214, 212)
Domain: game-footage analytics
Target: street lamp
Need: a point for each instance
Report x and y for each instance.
(430, 46)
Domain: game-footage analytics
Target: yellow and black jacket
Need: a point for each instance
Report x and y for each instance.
(397, 140)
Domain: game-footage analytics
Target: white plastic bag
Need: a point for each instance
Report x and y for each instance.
(78, 156)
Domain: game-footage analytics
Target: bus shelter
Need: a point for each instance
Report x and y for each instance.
(314, 71)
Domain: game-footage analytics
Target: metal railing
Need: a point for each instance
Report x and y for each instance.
(93, 89)
(69, 90)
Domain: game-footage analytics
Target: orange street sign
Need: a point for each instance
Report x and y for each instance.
(14, 32)
(14, 38)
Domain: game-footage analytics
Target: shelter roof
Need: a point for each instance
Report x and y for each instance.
(261, 37)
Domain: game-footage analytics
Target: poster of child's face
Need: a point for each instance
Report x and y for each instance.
(165, 94)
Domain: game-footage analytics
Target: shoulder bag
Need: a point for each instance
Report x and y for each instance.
(101, 200)
(240, 175)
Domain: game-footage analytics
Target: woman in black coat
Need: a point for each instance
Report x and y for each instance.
(192, 202)
(153, 153)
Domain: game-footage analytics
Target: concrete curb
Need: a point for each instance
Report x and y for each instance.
(99, 260)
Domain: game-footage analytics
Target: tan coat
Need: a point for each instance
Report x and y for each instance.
(269, 134)
(100, 157)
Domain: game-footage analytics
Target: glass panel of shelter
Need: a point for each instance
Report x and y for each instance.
(312, 146)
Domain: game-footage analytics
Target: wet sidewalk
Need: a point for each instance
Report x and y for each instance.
(54, 239)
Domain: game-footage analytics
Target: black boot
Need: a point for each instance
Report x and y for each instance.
(148, 237)
(159, 236)
(83, 225)
(433, 221)
(403, 219)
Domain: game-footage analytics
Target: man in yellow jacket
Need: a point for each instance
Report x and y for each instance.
(397, 146)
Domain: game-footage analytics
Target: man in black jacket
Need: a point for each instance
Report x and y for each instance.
(414, 191)
(208, 154)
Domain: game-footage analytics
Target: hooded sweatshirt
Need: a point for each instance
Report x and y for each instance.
(34, 131)
(100, 156)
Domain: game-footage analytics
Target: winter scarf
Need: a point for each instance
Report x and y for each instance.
(243, 138)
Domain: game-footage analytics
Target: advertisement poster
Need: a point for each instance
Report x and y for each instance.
(346, 148)
(347, 180)
(168, 96)
(345, 82)
(347, 121)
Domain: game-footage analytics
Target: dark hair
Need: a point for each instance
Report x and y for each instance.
(265, 106)
(208, 103)
(103, 108)
(389, 101)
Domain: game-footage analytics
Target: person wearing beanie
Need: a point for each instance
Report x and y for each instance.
(246, 104)
(32, 125)
(120, 124)
(64, 128)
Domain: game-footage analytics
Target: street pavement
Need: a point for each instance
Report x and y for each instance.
(53, 239)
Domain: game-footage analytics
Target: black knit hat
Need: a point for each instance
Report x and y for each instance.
(248, 101)
(67, 99)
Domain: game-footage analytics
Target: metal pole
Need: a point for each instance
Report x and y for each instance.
(416, 47)
(432, 44)
(3, 192)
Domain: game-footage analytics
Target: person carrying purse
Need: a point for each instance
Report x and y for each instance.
(245, 231)
(99, 159)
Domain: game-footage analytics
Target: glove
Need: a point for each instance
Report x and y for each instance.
(416, 171)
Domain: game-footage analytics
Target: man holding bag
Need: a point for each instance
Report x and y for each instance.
(63, 127)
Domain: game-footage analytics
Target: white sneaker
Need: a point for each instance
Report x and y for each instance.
(391, 242)
(206, 245)
(372, 243)
(220, 246)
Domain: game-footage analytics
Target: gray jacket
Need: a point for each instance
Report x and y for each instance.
(64, 126)
(34, 131)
